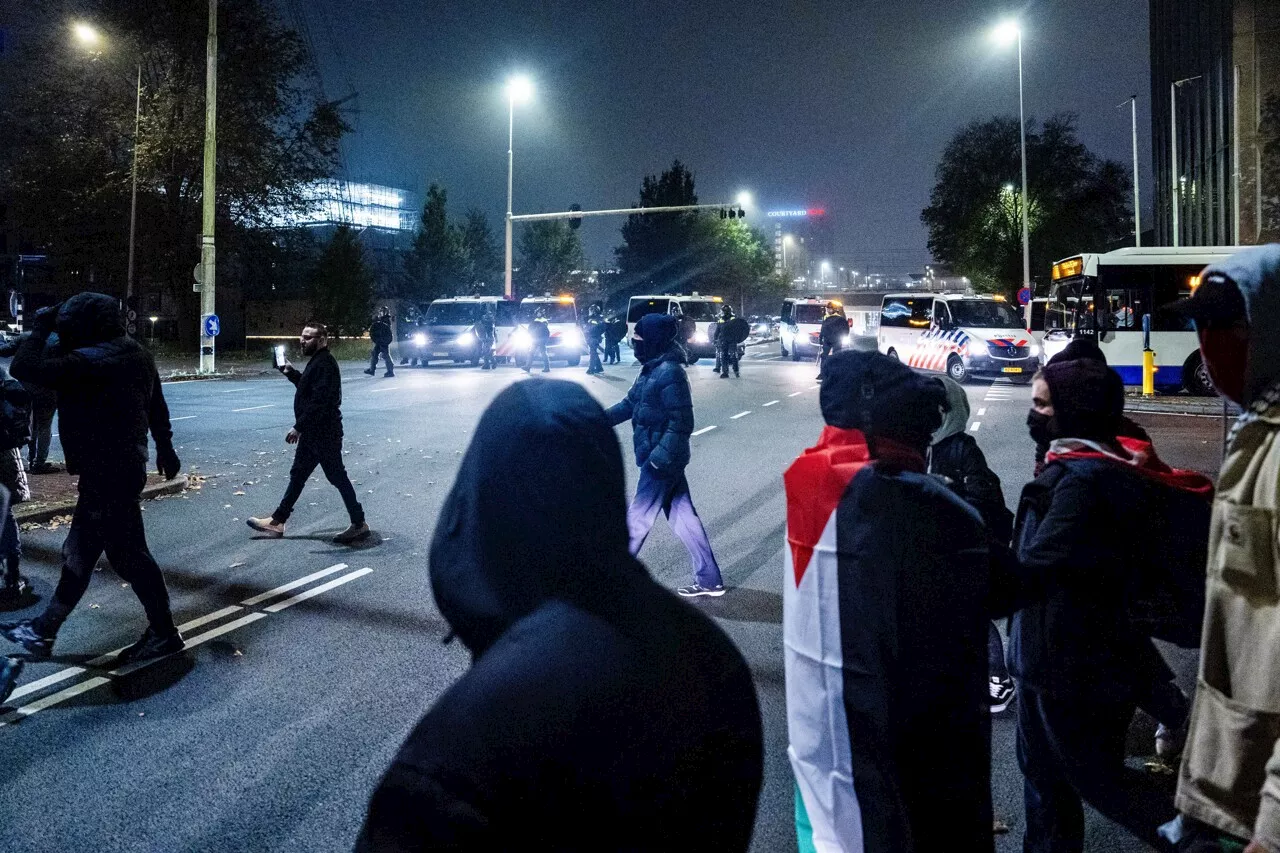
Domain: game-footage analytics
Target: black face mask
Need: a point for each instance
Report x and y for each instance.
(1043, 428)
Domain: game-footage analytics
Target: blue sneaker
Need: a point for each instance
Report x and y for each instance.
(9, 672)
(22, 633)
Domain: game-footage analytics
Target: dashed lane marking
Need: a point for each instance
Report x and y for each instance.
(770, 403)
(975, 426)
(796, 394)
(740, 415)
(703, 431)
(981, 412)
(232, 390)
(184, 418)
(251, 408)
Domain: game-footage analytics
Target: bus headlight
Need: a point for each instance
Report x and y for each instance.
(419, 340)
(466, 339)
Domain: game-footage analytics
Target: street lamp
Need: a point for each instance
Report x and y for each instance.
(153, 328)
(89, 36)
(744, 199)
(1005, 34)
(786, 241)
(519, 88)
(1173, 148)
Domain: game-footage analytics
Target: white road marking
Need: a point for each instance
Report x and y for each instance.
(975, 426)
(184, 418)
(796, 394)
(770, 403)
(740, 415)
(316, 590)
(380, 390)
(981, 412)
(48, 681)
(703, 431)
(233, 390)
(53, 699)
(192, 642)
(281, 590)
(251, 408)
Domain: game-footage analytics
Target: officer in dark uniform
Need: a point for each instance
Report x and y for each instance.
(726, 347)
(539, 334)
(380, 334)
(595, 337)
(486, 335)
(615, 330)
(832, 334)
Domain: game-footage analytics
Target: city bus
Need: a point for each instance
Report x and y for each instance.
(1105, 296)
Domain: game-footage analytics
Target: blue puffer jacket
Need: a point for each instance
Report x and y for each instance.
(659, 407)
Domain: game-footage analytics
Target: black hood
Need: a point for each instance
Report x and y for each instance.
(654, 335)
(881, 396)
(89, 318)
(538, 512)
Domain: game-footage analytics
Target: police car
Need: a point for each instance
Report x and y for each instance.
(958, 335)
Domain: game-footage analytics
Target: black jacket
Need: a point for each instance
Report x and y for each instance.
(109, 393)
(594, 330)
(833, 331)
(317, 404)
(380, 332)
(600, 712)
(540, 330)
(1087, 532)
(959, 459)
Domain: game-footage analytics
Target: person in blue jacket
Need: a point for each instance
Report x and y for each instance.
(660, 409)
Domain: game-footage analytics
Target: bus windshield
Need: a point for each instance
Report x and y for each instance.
(983, 314)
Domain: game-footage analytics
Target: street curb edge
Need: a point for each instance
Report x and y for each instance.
(40, 515)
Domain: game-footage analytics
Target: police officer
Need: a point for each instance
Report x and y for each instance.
(380, 334)
(595, 337)
(485, 338)
(539, 334)
(726, 346)
(832, 334)
(615, 330)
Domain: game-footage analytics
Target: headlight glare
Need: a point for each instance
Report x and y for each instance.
(419, 339)
(466, 339)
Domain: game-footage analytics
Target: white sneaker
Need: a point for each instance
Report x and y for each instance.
(1000, 692)
(695, 590)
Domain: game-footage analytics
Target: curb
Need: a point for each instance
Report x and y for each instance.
(41, 514)
(1174, 406)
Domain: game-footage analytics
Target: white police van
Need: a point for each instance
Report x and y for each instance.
(566, 342)
(959, 335)
(702, 311)
(801, 325)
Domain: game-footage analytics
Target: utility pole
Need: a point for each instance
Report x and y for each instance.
(1174, 178)
(1137, 198)
(133, 194)
(208, 258)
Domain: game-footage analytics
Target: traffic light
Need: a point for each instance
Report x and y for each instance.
(732, 213)
(575, 221)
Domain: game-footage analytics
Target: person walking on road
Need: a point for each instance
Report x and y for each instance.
(955, 456)
(15, 431)
(317, 432)
(728, 335)
(615, 330)
(539, 336)
(886, 602)
(381, 335)
(599, 713)
(109, 397)
(1229, 782)
(486, 337)
(660, 409)
(831, 334)
(1104, 529)
(595, 337)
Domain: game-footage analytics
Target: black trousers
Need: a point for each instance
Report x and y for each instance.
(1070, 751)
(612, 353)
(595, 366)
(727, 357)
(383, 350)
(486, 353)
(538, 348)
(326, 453)
(108, 519)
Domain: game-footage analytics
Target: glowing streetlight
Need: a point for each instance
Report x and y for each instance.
(519, 89)
(153, 327)
(86, 34)
(744, 199)
(1006, 34)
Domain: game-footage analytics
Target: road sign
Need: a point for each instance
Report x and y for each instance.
(211, 325)
(1024, 296)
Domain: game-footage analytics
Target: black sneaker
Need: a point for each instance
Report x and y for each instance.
(45, 468)
(151, 645)
(9, 672)
(369, 372)
(388, 375)
(1000, 693)
(696, 590)
(22, 633)
(12, 593)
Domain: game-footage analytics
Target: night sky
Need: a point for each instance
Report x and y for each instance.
(840, 104)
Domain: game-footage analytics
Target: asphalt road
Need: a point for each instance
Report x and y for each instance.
(309, 662)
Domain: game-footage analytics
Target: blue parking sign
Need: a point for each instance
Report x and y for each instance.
(212, 325)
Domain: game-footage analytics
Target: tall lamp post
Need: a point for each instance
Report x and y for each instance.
(1006, 34)
(786, 239)
(1137, 198)
(1173, 150)
(519, 88)
(89, 36)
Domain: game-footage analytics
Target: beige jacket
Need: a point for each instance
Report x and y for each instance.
(1230, 775)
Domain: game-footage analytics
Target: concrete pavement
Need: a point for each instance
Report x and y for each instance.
(311, 662)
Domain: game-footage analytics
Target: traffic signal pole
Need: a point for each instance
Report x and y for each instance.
(208, 257)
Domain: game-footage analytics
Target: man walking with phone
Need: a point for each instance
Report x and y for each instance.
(317, 431)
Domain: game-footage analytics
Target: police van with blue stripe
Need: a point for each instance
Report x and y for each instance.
(957, 334)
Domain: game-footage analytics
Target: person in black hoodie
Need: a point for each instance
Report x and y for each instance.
(317, 430)
(832, 334)
(381, 335)
(109, 397)
(600, 712)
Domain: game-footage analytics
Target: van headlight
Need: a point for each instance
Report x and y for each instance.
(844, 342)
(571, 338)
(1035, 350)
(522, 339)
(466, 339)
(700, 338)
(419, 340)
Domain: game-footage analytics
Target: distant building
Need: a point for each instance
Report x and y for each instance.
(802, 240)
(1217, 63)
(357, 205)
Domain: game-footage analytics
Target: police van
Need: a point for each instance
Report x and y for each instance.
(701, 312)
(566, 342)
(447, 330)
(801, 324)
(959, 335)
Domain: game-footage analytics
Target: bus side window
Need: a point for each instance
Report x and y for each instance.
(1122, 310)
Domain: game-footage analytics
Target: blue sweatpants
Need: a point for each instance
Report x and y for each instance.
(670, 495)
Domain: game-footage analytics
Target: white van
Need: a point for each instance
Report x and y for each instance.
(958, 335)
(800, 324)
(566, 341)
(703, 311)
(446, 331)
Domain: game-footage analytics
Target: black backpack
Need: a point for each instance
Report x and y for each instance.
(15, 414)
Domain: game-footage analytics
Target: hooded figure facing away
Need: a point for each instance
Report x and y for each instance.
(885, 615)
(587, 721)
